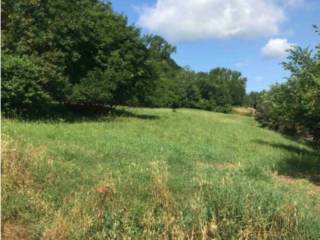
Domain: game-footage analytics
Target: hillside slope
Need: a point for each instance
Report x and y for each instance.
(158, 174)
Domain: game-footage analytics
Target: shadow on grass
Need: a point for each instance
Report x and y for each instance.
(299, 162)
(76, 114)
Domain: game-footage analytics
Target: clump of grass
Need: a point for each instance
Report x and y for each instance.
(258, 210)
(161, 219)
(35, 203)
(245, 111)
(17, 180)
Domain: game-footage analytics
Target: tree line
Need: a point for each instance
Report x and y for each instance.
(82, 53)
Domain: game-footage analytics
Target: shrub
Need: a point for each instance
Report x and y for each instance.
(29, 86)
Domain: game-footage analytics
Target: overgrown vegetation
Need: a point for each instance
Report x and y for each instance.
(140, 177)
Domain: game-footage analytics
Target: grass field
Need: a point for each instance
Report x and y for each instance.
(157, 174)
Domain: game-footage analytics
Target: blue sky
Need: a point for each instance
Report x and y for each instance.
(246, 35)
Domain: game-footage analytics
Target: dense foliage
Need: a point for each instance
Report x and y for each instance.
(84, 44)
(294, 106)
(82, 53)
(217, 90)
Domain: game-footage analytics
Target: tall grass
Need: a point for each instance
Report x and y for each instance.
(98, 181)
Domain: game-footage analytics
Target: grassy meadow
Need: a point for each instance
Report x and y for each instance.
(157, 174)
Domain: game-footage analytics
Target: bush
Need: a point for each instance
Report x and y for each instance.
(28, 86)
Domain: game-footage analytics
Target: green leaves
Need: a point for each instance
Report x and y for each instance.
(82, 44)
(295, 105)
(82, 52)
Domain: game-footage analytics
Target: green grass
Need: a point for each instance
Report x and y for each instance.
(159, 174)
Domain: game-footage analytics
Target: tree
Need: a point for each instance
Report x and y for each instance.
(166, 90)
(294, 106)
(101, 59)
(253, 99)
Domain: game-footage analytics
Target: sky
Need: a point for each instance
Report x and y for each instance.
(250, 36)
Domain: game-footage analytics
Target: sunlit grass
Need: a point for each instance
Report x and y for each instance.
(159, 174)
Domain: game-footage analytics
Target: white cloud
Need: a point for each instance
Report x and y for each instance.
(200, 19)
(276, 48)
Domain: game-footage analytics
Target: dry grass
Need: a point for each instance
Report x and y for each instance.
(15, 165)
(245, 111)
(15, 231)
(15, 175)
(161, 219)
(307, 185)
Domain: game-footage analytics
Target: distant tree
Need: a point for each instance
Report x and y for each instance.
(253, 99)
(232, 82)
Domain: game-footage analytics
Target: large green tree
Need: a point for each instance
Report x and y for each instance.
(84, 43)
